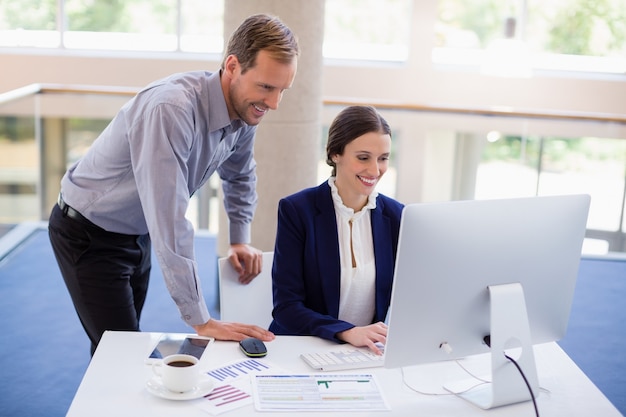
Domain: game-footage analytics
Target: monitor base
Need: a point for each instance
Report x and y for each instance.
(510, 336)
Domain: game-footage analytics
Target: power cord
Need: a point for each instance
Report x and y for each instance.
(532, 394)
(481, 381)
(406, 384)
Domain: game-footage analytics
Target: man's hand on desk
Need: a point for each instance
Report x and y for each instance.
(223, 330)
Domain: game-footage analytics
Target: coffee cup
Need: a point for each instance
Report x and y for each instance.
(179, 372)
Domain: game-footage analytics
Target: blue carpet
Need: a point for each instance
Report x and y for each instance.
(45, 352)
(596, 337)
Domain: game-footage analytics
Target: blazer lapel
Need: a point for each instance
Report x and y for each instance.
(328, 248)
(381, 234)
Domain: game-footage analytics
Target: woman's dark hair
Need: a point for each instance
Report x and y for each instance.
(351, 123)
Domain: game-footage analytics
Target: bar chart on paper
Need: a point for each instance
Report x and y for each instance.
(238, 369)
(232, 389)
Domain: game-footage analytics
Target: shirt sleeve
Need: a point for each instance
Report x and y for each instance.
(160, 143)
(238, 174)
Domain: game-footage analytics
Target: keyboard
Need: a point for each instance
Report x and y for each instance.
(343, 359)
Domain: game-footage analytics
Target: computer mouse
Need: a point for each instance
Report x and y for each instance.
(253, 347)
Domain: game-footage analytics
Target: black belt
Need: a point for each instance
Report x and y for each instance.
(70, 212)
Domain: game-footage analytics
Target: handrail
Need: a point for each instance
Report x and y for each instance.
(501, 111)
(48, 88)
(19, 93)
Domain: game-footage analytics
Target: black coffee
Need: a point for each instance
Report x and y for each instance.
(180, 364)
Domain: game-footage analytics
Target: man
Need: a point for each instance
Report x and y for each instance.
(130, 191)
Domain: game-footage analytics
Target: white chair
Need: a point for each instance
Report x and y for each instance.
(251, 303)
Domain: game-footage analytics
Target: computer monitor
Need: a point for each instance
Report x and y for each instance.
(501, 268)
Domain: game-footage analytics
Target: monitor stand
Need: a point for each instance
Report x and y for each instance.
(510, 334)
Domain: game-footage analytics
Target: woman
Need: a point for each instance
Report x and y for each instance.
(336, 243)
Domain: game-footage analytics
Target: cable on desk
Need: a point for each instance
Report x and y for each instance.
(480, 381)
(530, 390)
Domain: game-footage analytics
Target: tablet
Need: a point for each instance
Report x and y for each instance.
(172, 343)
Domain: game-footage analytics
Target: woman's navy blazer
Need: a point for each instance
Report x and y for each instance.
(306, 268)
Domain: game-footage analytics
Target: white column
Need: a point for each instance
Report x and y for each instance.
(288, 142)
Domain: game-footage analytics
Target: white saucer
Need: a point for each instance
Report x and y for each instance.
(155, 387)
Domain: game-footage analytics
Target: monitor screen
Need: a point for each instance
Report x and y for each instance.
(470, 269)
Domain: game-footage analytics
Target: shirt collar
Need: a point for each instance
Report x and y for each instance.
(342, 208)
(218, 117)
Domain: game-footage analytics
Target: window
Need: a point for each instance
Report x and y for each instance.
(367, 29)
(121, 25)
(19, 159)
(202, 26)
(578, 35)
(37, 27)
(517, 166)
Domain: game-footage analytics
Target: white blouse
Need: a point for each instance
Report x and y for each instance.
(356, 253)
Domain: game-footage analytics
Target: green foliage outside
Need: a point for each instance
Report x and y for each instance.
(589, 27)
(97, 16)
(556, 153)
(17, 129)
(40, 15)
(576, 27)
(138, 16)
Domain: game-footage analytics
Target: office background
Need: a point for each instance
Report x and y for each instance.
(442, 111)
(437, 151)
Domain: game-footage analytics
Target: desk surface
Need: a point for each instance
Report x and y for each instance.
(115, 382)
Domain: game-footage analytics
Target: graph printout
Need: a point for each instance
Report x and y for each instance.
(330, 392)
(232, 385)
(238, 369)
(227, 397)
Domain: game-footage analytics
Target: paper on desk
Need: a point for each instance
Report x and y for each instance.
(327, 392)
(233, 386)
(241, 368)
(227, 397)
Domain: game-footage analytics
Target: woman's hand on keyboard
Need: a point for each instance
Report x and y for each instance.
(370, 336)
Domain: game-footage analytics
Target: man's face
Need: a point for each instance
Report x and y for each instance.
(251, 94)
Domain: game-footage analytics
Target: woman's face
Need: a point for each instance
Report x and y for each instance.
(361, 166)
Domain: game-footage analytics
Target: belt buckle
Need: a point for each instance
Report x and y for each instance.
(64, 207)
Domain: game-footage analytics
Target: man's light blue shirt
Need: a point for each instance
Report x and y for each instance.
(139, 174)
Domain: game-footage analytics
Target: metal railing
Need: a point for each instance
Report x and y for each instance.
(49, 174)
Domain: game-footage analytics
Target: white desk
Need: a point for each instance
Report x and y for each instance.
(114, 384)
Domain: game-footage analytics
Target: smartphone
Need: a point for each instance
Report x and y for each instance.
(171, 343)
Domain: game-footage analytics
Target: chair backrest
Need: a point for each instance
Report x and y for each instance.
(251, 303)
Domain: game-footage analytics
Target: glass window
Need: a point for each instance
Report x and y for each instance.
(202, 26)
(121, 24)
(36, 27)
(580, 35)
(516, 166)
(508, 167)
(19, 162)
(367, 29)
(578, 27)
